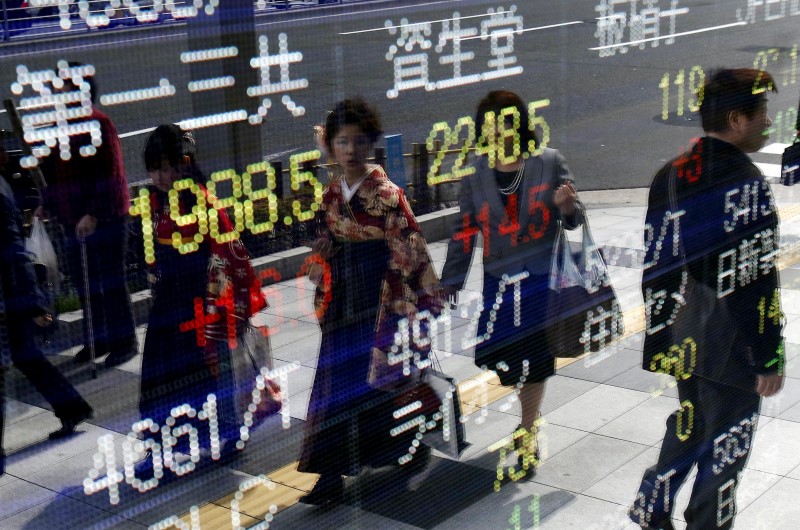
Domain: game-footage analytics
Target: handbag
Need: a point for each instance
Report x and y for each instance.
(448, 437)
(583, 313)
(40, 245)
(255, 395)
(790, 163)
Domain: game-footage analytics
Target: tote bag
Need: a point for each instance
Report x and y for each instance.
(255, 395)
(449, 438)
(40, 245)
(583, 313)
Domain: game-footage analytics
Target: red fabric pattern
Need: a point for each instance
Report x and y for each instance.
(379, 210)
(234, 289)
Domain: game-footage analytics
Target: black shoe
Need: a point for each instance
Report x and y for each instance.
(530, 466)
(68, 425)
(525, 461)
(115, 358)
(84, 354)
(327, 490)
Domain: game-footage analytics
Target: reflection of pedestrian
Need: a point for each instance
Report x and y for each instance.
(179, 360)
(23, 304)
(380, 272)
(89, 196)
(727, 229)
(513, 199)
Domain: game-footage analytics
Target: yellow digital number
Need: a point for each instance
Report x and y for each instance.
(256, 195)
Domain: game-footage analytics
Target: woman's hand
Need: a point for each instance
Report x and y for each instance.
(565, 198)
(324, 247)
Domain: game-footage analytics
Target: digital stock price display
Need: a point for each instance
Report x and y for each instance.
(617, 86)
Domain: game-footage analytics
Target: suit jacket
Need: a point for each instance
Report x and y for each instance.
(95, 185)
(728, 227)
(509, 247)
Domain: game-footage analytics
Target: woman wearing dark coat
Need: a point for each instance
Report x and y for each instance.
(513, 199)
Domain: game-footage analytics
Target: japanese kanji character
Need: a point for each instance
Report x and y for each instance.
(284, 58)
(747, 261)
(452, 32)
(646, 24)
(410, 69)
(769, 251)
(611, 26)
(750, 11)
(502, 25)
(59, 111)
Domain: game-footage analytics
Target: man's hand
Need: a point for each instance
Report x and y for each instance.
(43, 321)
(565, 198)
(86, 227)
(769, 385)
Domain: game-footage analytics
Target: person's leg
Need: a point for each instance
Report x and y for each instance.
(530, 399)
(2, 415)
(67, 403)
(536, 366)
(731, 415)
(684, 436)
(114, 321)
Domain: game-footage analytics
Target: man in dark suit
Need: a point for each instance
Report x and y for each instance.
(89, 197)
(23, 305)
(711, 242)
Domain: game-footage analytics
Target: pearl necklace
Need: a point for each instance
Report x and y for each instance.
(512, 188)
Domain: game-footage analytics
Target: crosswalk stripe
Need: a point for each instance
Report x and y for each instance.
(774, 149)
(769, 170)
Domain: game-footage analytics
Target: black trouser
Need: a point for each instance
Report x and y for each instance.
(2, 416)
(112, 316)
(30, 360)
(713, 429)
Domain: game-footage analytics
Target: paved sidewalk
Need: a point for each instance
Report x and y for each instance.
(604, 420)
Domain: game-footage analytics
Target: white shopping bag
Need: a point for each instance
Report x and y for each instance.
(39, 245)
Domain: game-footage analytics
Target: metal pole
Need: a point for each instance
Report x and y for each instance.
(6, 36)
(88, 307)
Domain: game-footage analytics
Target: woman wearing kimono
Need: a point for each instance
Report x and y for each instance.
(200, 285)
(513, 198)
(376, 271)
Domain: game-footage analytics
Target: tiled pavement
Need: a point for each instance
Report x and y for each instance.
(603, 423)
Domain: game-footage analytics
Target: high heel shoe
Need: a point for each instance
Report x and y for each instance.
(526, 460)
(328, 489)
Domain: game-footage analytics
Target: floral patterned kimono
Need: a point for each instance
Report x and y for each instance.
(380, 272)
(199, 298)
